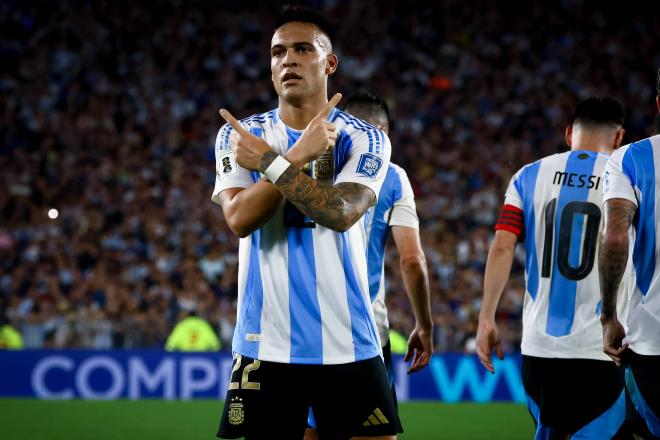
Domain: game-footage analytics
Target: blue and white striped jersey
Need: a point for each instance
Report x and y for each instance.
(303, 289)
(632, 173)
(560, 197)
(395, 207)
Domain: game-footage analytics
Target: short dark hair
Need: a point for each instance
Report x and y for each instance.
(302, 14)
(599, 110)
(367, 104)
(657, 83)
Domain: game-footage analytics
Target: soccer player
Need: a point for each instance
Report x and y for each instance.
(553, 206)
(395, 212)
(630, 198)
(305, 334)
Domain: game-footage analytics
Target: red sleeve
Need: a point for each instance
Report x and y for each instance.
(512, 220)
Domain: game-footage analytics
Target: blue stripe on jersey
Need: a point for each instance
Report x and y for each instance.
(292, 136)
(364, 334)
(390, 192)
(343, 148)
(641, 172)
(253, 299)
(356, 124)
(257, 132)
(527, 180)
(561, 303)
(304, 310)
(225, 137)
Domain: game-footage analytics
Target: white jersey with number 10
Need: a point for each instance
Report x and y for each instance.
(555, 204)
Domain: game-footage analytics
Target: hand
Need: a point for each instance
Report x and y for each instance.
(318, 136)
(248, 148)
(488, 338)
(613, 334)
(420, 344)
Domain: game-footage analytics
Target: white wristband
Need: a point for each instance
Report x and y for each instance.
(277, 168)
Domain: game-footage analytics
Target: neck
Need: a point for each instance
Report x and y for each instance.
(596, 148)
(298, 115)
(585, 140)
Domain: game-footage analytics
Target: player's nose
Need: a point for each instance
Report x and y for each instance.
(289, 58)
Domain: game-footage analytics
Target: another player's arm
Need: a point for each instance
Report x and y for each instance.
(498, 268)
(416, 281)
(612, 260)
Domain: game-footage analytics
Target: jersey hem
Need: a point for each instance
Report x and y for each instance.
(644, 349)
(619, 195)
(345, 359)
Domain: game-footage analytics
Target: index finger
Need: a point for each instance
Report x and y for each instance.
(231, 120)
(327, 108)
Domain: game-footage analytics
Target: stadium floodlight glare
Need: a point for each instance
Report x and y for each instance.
(53, 213)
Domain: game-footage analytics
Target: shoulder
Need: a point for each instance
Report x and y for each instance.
(359, 130)
(637, 150)
(256, 122)
(397, 172)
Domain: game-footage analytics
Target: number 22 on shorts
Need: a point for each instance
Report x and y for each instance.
(245, 383)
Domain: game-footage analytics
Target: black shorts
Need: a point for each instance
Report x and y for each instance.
(271, 400)
(643, 386)
(389, 367)
(583, 398)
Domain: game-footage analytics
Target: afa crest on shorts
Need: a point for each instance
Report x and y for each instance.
(236, 414)
(369, 165)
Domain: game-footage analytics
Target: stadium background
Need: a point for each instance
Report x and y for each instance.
(109, 115)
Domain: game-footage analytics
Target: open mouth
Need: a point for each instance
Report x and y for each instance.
(290, 76)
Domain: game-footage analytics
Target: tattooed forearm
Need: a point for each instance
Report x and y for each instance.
(336, 207)
(613, 254)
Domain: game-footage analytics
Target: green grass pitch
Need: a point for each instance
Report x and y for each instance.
(154, 419)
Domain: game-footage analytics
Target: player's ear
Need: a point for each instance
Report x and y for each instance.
(331, 64)
(657, 102)
(569, 135)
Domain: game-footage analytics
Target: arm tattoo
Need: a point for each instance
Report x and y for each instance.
(336, 207)
(613, 254)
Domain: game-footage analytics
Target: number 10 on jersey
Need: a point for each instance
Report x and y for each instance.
(566, 235)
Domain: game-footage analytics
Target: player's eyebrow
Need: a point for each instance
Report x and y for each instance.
(297, 43)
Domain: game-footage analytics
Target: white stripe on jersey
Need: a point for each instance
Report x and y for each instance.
(337, 325)
(633, 173)
(560, 196)
(303, 288)
(275, 318)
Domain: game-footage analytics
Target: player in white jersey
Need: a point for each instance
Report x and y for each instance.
(631, 198)
(395, 212)
(305, 334)
(553, 206)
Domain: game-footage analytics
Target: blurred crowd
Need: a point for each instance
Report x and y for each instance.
(108, 115)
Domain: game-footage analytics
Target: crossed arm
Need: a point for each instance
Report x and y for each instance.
(336, 207)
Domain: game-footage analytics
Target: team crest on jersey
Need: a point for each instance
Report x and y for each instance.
(227, 164)
(369, 165)
(236, 412)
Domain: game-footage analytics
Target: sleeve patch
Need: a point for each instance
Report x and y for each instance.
(369, 165)
(227, 165)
